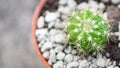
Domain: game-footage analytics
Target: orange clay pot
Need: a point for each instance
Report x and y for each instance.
(34, 27)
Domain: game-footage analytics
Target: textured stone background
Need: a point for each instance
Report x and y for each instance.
(16, 47)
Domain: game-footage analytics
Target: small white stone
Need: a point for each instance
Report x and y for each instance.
(105, 16)
(52, 55)
(119, 45)
(76, 58)
(101, 62)
(93, 4)
(107, 54)
(58, 48)
(59, 38)
(108, 62)
(51, 16)
(116, 67)
(59, 25)
(114, 63)
(46, 54)
(72, 65)
(41, 32)
(60, 9)
(49, 62)
(60, 56)
(52, 32)
(99, 55)
(74, 52)
(101, 6)
(111, 66)
(115, 1)
(62, 2)
(41, 37)
(83, 64)
(40, 23)
(71, 3)
(118, 6)
(50, 25)
(66, 11)
(58, 64)
(83, 5)
(46, 46)
(68, 58)
(41, 43)
(117, 34)
(68, 49)
(89, 58)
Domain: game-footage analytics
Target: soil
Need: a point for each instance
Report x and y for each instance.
(114, 18)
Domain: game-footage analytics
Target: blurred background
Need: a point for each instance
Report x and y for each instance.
(16, 45)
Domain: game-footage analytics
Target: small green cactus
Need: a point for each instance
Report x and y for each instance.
(88, 31)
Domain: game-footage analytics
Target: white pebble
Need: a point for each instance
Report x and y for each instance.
(83, 64)
(51, 24)
(59, 38)
(59, 25)
(107, 54)
(118, 6)
(108, 62)
(76, 58)
(46, 46)
(40, 23)
(72, 65)
(46, 54)
(116, 67)
(83, 5)
(68, 49)
(93, 4)
(41, 32)
(101, 6)
(71, 3)
(52, 32)
(115, 1)
(117, 34)
(101, 62)
(49, 62)
(68, 58)
(58, 48)
(41, 37)
(74, 52)
(58, 64)
(51, 16)
(52, 56)
(111, 66)
(119, 45)
(60, 56)
(41, 42)
(99, 55)
(62, 2)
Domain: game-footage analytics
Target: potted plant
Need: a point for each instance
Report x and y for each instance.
(84, 34)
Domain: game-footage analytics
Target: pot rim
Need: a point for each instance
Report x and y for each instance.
(34, 27)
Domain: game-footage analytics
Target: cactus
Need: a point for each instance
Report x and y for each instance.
(88, 31)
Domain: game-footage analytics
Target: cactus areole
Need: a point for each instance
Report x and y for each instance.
(88, 31)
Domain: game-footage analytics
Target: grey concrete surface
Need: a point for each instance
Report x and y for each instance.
(16, 46)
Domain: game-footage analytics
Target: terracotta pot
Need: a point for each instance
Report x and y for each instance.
(34, 27)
